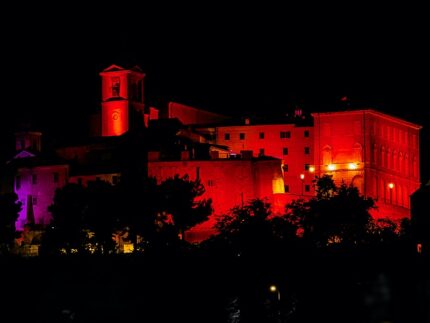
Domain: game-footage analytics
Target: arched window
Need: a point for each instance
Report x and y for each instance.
(327, 157)
(358, 152)
(401, 163)
(407, 165)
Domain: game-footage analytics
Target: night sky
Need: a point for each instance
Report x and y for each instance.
(222, 58)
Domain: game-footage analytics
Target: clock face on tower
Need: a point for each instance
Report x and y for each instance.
(115, 115)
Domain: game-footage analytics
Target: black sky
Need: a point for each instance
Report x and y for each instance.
(224, 58)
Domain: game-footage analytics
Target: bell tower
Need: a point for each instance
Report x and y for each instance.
(122, 99)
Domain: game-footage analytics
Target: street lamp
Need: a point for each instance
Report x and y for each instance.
(302, 178)
(391, 186)
(275, 289)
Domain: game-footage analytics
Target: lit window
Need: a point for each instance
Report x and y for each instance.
(285, 151)
(226, 136)
(34, 179)
(261, 135)
(242, 136)
(307, 150)
(56, 177)
(287, 188)
(307, 188)
(306, 133)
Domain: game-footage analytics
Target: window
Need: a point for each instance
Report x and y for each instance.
(242, 136)
(307, 167)
(285, 151)
(56, 177)
(34, 179)
(115, 86)
(285, 167)
(261, 135)
(285, 134)
(114, 179)
(307, 188)
(18, 182)
(261, 152)
(307, 150)
(34, 200)
(227, 136)
(287, 188)
(306, 133)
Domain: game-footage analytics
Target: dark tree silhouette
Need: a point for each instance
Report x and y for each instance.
(67, 228)
(180, 198)
(246, 230)
(9, 212)
(337, 215)
(102, 214)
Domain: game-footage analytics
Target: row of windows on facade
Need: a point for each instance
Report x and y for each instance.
(307, 188)
(282, 135)
(307, 151)
(395, 135)
(56, 179)
(394, 160)
(306, 168)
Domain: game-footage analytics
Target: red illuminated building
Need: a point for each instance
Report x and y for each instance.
(236, 161)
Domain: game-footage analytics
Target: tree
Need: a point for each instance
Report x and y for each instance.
(180, 197)
(246, 230)
(67, 228)
(337, 215)
(9, 212)
(102, 214)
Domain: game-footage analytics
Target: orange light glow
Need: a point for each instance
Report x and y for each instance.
(391, 186)
(352, 166)
(331, 167)
(312, 169)
(273, 288)
(302, 176)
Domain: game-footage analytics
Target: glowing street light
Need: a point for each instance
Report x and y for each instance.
(331, 167)
(352, 166)
(274, 289)
(391, 186)
(302, 178)
(312, 169)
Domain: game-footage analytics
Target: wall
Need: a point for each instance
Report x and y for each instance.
(42, 191)
(229, 183)
(275, 139)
